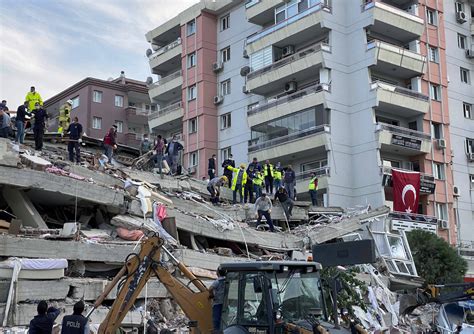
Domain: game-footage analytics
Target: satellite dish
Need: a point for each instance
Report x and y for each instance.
(244, 71)
(149, 80)
(148, 52)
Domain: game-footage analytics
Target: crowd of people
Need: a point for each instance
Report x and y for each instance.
(164, 153)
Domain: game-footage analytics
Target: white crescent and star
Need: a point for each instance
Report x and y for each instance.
(407, 188)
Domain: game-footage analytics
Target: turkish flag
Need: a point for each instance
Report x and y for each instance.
(406, 191)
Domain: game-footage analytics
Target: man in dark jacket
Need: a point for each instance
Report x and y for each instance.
(289, 179)
(75, 323)
(44, 321)
(228, 172)
(41, 123)
(21, 113)
(211, 167)
(172, 150)
(75, 139)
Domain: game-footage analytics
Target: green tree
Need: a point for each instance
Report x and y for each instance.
(436, 261)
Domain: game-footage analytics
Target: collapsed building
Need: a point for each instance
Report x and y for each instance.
(66, 229)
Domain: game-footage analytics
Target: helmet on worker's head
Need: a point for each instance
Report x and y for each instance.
(242, 165)
(224, 178)
(69, 102)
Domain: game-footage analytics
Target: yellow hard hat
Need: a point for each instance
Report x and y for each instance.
(242, 165)
(224, 178)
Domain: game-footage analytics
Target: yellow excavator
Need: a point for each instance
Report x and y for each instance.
(260, 297)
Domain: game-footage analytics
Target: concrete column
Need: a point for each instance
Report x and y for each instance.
(23, 208)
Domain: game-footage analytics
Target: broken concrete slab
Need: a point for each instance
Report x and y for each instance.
(23, 208)
(98, 177)
(8, 156)
(133, 223)
(34, 162)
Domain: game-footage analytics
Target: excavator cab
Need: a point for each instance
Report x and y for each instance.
(272, 297)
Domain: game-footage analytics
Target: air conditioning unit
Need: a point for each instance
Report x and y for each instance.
(245, 90)
(290, 87)
(461, 17)
(218, 99)
(441, 143)
(470, 53)
(470, 156)
(443, 224)
(288, 51)
(217, 66)
(456, 192)
(192, 170)
(244, 71)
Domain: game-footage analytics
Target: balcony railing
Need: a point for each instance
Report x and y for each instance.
(290, 98)
(165, 48)
(323, 171)
(404, 131)
(413, 217)
(140, 111)
(400, 90)
(254, 144)
(168, 78)
(423, 176)
(395, 49)
(282, 24)
(166, 110)
(395, 10)
(251, 3)
(282, 62)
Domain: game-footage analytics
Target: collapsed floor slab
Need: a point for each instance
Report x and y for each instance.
(23, 208)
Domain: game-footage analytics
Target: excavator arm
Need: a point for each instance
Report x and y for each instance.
(138, 269)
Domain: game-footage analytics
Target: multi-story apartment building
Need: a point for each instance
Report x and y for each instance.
(99, 104)
(347, 89)
(459, 27)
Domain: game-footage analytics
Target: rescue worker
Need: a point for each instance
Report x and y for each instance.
(313, 188)
(289, 179)
(228, 173)
(211, 167)
(268, 174)
(263, 207)
(64, 116)
(238, 182)
(32, 98)
(145, 145)
(44, 321)
(110, 143)
(40, 125)
(21, 114)
(75, 323)
(75, 139)
(216, 293)
(258, 184)
(172, 150)
(286, 202)
(214, 188)
(277, 176)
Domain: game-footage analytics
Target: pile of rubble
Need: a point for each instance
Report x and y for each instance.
(93, 215)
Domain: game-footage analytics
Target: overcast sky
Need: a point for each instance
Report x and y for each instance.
(52, 44)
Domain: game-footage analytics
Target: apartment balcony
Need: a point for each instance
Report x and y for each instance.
(133, 139)
(404, 221)
(393, 22)
(136, 115)
(303, 178)
(399, 101)
(295, 145)
(280, 107)
(167, 118)
(167, 88)
(395, 61)
(427, 181)
(301, 66)
(398, 140)
(166, 58)
(295, 30)
(260, 12)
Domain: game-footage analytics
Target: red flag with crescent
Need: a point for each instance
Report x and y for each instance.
(406, 190)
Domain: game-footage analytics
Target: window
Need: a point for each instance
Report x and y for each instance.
(439, 171)
(442, 211)
(436, 131)
(435, 92)
(118, 100)
(119, 125)
(225, 22)
(252, 106)
(225, 54)
(287, 10)
(191, 59)
(97, 123)
(469, 145)
(225, 87)
(431, 16)
(226, 121)
(75, 102)
(459, 6)
(191, 92)
(261, 59)
(193, 159)
(191, 27)
(193, 125)
(226, 153)
(433, 54)
(462, 42)
(97, 96)
(464, 72)
(467, 109)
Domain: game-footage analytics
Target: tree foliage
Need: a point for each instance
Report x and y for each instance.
(436, 261)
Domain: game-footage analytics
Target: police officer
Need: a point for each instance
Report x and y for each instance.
(75, 323)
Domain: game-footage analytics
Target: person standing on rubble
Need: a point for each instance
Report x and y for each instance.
(4, 123)
(75, 139)
(277, 176)
(268, 171)
(159, 151)
(211, 167)
(21, 113)
(44, 321)
(110, 143)
(216, 293)
(33, 97)
(289, 179)
(227, 172)
(75, 323)
(238, 182)
(286, 202)
(145, 145)
(313, 189)
(40, 125)
(263, 207)
(258, 181)
(172, 150)
(214, 187)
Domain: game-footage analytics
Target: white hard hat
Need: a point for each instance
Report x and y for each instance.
(69, 101)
